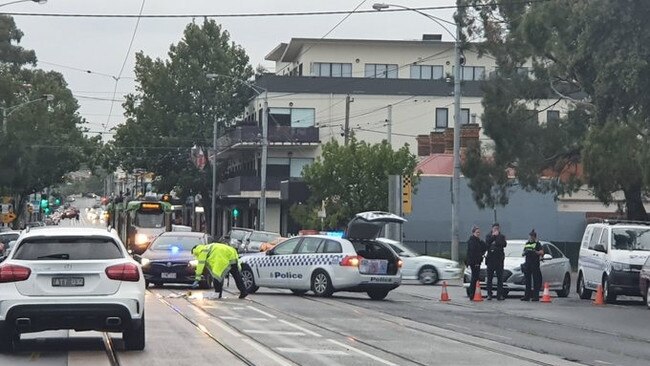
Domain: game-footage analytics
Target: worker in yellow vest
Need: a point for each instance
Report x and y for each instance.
(220, 260)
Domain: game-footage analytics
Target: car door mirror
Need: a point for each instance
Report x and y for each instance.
(547, 257)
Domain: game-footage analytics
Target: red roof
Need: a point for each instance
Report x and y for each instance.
(437, 164)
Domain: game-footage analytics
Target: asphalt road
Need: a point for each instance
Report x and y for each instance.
(410, 327)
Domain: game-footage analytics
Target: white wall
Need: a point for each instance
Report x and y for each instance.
(272, 217)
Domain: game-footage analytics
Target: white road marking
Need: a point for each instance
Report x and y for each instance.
(325, 352)
(262, 312)
(225, 327)
(603, 362)
(366, 354)
(276, 332)
(300, 328)
(267, 353)
(226, 317)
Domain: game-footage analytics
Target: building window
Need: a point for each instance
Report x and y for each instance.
(552, 116)
(472, 73)
(464, 116)
(297, 165)
(386, 71)
(442, 118)
(292, 117)
(329, 69)
(427, 72)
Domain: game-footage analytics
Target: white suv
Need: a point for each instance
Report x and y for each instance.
(612, 255)
(71, 278)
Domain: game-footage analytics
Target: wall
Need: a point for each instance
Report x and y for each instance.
(429, 225)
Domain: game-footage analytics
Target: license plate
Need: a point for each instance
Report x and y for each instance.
(67, 281)
(167, 275)
(373, 266)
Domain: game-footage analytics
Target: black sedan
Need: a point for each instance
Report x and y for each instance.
(169, 259)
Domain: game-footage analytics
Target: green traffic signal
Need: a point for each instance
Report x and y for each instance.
(45, 203)
(57, 201)
(235, 213)
(46, 210)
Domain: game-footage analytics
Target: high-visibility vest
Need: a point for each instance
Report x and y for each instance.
(217, 258)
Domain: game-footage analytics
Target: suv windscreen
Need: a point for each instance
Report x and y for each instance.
(631, 238)
(68, 249)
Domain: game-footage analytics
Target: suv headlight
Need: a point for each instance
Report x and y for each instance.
(452, 265)
(145, 261)
(141, 239)
(618, 266)
(194, 263)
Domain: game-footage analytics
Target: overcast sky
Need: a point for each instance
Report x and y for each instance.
(100, 45)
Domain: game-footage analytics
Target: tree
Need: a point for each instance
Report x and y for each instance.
(350, 179)
(589, 55)
(44, 140)
(176, 104)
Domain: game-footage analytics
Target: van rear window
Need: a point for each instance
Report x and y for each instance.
(68, 249)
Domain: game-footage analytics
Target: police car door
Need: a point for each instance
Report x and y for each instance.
(302, 263)
(275, 268)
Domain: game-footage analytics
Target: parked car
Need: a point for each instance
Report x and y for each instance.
(426, 269)
(257, 238)
(71, 278)
(237, 237)
(612, 255)
(644, 282)
(324, 264)
(555, 267)
(169, 258)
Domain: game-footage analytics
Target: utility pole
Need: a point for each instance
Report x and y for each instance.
(455, 183)
(265, 150)
(389, 124)
(213, 209)
(346, 130)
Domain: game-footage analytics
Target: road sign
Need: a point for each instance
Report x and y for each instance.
(407, 193)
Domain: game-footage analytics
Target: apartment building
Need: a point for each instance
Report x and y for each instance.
(321, 88)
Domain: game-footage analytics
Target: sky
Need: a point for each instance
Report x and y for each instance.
(101, 44)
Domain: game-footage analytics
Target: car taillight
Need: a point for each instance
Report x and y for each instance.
(123, 272)
(400, 263)
(14, 273)
(351, 261)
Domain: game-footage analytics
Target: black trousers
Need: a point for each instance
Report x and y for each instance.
(234, 272)
(492, 268)
(476, 271)
(533, 278)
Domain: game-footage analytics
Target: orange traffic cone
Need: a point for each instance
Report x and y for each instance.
(600, 300)
(444, 296)
(477, 293)
(546, 297)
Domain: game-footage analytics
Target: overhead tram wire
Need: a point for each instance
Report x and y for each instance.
(126, 58)
(260, 15)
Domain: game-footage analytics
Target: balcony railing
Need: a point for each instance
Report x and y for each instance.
(234, 186)
(277, 134)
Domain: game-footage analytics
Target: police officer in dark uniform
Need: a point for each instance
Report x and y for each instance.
(496, 242)
(533, 251)
(475, 250)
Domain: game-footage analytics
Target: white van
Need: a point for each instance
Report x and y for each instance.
(612, 254)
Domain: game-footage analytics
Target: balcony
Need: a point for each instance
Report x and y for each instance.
(236, 185)
(247, 136)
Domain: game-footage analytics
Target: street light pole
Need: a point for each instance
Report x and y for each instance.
(7, 111)
(455, 181)
(213, 210)
(265, 151)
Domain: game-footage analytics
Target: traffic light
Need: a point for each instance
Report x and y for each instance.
(235, 213)
(57, 201)
(166, 198)
(44, 201)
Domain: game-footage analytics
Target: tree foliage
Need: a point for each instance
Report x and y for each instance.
(175, 106)
(351, 179)
(44, 140)
(592, 55)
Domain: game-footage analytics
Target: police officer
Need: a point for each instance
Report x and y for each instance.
(496, 242)
(533, 251)
(475, 250)
(221, 260)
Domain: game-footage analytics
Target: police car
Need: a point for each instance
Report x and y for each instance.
(324, 264)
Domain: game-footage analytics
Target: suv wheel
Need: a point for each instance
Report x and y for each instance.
(584, 293)
(566, 286)
(321, 284)
(134, 337)
(608, 294)
(249, 280)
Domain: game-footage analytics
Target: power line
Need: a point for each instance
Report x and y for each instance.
(260, 15)
(85, 71)
(126, 58)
